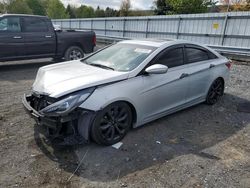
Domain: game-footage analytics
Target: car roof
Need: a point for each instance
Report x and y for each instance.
(23, 15)
(160, 42)
(156, 42)
(148, 42)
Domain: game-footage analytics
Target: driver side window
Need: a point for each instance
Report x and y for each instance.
(172, 58)
(10, 24)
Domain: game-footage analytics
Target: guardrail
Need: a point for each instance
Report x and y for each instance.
(226, 32)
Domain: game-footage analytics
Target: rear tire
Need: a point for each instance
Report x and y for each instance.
(73, 53)
(215, 92)
(111, 124)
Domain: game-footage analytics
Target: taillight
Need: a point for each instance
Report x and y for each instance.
(229, 64)
(94, 40)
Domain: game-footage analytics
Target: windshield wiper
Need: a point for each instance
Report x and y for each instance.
(101, 66)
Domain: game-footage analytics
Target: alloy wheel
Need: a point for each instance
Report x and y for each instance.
(112, 123)
(215, 92)
(75, 54)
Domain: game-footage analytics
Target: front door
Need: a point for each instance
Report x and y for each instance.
(11, 38)
(165, 92)
(40, 39)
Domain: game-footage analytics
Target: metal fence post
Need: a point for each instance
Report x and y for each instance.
(70, 24)
(91, 25)
(79, 23)
(105, 27)
(224, 30)
(124, 25)
(178, 28)
(147, 27)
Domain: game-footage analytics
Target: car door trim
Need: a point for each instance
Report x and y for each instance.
(174, 80)
(172, 110)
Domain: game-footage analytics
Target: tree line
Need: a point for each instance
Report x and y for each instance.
(164, 7)
(56, 10)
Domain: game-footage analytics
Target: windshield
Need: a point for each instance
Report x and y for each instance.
(120, 57)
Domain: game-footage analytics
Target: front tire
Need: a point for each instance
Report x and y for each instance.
(73, 53)
(111, 124)
(215, 92)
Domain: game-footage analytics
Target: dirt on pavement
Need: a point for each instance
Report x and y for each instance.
(202, 146)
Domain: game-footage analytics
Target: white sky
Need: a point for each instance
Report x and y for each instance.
(136, 4)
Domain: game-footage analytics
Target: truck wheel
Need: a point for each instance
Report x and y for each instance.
(73, 53)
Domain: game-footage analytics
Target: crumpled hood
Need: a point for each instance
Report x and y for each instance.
(63, 78)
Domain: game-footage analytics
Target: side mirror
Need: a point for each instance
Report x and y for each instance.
(157, 69)
(57, 28)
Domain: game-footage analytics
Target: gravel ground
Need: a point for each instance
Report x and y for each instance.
(203, 146)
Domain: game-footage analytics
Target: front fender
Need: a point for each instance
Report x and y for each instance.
(98, 101)
(127, 90)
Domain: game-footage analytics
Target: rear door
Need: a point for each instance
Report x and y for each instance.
(200, 62)
(39, 37)
(11, 38)
(165, 92)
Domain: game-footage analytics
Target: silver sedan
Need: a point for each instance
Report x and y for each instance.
(124, 86)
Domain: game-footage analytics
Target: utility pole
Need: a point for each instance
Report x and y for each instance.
(228, 5)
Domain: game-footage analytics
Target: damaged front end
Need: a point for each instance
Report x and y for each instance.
(64, 120)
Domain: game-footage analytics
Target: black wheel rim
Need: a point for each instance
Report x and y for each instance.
(75, 54)
(216, 91)
(114, 123)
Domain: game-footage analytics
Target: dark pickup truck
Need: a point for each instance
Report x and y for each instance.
(30, 37)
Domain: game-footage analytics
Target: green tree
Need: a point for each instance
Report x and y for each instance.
(141, 13)
(19, 7)
(99, 12)
(45, 4)
(85, 12)
(162, 7)
(189, 6)
(1, 8)
(71, 11)
(125, 7)
(109, 12)
(36, 6)
(56, 10)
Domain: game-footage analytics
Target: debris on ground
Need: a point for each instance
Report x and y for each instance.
(117, 145)
(158, 142)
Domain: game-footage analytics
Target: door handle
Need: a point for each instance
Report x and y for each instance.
(17, 37)
(184, 75)
(48, 36)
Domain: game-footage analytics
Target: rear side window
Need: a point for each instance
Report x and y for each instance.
(10, 24)
(196, 55)
(35, 25)
(172, 58)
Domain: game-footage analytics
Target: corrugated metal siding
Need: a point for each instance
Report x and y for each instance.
(222, 29)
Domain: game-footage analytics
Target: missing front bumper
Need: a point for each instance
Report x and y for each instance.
(72, 129)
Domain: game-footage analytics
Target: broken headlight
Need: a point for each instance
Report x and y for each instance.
(67, 104)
